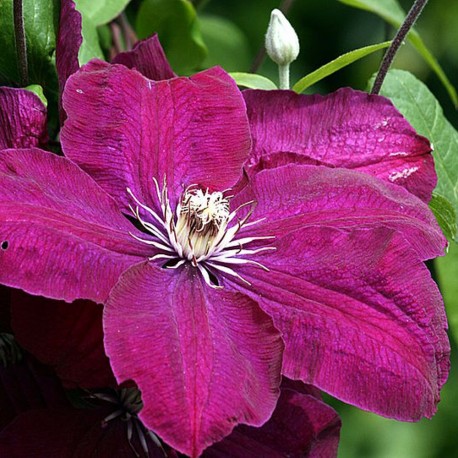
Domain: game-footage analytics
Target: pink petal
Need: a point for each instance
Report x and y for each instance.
(148, 58)
(301, 426)
(360, 316)
(68, 337)
(60, 235)
(204, 360)
(292, 197)
(22, 119)
(348, 129)
(124, 129)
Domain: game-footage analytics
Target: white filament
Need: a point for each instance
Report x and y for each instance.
(198, 233)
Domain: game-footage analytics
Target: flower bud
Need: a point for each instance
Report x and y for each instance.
(282, 43)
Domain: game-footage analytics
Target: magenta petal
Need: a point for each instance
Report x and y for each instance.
(301, 426)
(204, 360)
(348, 128)
(148, 58)
(360, 316)
(22, 119)
(124, 129)
(61, 235)
(292, 197)
(68, 337)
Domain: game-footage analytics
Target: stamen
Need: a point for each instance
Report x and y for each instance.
(228, 271)
(152, 242)
(206, 276)
(197, 231)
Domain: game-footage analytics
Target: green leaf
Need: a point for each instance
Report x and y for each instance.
(40, 24)
(391, 12)
(227, 45)
(90, 46)
(101, 12)
(175, 22)
(93, 14)
(38, 90)
(445, 215)
(253, 81)
(447, 273)
(415, 101)
(336, 64)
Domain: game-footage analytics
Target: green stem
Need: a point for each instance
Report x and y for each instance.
(398, 39)
(283, 73)
(21, 44)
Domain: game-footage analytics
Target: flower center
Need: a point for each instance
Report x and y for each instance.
(202, 231)
(202, 222)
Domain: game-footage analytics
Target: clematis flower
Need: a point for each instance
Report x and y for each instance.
(216, 282)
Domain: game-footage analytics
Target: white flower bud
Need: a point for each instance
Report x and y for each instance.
(282, 43)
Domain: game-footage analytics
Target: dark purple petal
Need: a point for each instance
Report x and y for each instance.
(48, 433)
(124, 129)
(61, 235)
(360, 316)
(22, 119)
(69, 40)
(348, 128)
(68, 337)
(75, 433)
(293, 197)
(204, 360)
(27, 385)
(301, 426)
(5, 309)
(148, 58)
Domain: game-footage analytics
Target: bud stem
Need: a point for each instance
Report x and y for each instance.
(388, 58)
(283, 73)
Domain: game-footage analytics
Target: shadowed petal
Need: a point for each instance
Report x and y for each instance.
(348, 128)
(204, 360)
(22, 119)
(68, 337)
(75, 433)
(5, 309)
(68, 44)
(148, 58)
(292, 197)
(125, 129)
(27, 385)
(61, 235)
(360, 316)
(301, 426)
